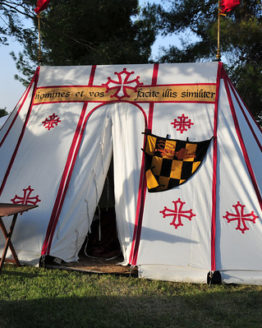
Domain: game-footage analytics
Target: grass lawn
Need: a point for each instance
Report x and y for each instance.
(37, 297)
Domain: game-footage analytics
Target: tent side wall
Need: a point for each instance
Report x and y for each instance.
(239, 224)
(237, 198)
(178, 246)
(12, 131)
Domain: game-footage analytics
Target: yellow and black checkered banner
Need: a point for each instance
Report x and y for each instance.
(170, 162)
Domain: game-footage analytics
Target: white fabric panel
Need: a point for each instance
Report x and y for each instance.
(188, 245)
(63, 75)
(235, 250)
(172, 273)
(168, 73)
(8, 147)
(187, 73)
(128, 125)
(193, 275)
(144, 72)
(252, 147)
(48, 150)
(201, 115)
(242, 277)
(254, 125)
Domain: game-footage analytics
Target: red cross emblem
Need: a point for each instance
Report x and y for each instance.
(182, 123)
(51, 121)
(177, 213)
(122, 85)
(26, 199)
(241, 217)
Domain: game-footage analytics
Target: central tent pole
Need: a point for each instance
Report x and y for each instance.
(218, 55)
(39, 40)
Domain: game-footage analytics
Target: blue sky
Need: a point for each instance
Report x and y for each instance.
(11, 90)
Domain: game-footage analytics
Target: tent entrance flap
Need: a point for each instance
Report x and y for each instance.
(102, 241)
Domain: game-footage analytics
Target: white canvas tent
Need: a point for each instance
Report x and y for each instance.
(56, 147)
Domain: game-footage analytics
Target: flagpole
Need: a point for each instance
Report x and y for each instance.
(218, 55)
(39, 40)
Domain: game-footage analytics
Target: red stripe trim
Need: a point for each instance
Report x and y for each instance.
(21, 136)
(66, 177)
(25, 95)
(56, 207)
(245, 115)
(67, 184)
(242, 144)
(142, 185)
(151, 108)
(144, 85)
(139, 213)
(63, 183)
(92, 76)
(214, 179)
(239, 96)
(129, 102)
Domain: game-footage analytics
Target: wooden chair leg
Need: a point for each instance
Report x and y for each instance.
(15, 260)
(8, 243)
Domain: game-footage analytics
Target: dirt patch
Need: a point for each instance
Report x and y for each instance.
(98, 265)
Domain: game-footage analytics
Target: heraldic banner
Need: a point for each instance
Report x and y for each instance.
(170, 162)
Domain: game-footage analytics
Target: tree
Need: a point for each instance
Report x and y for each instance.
(12, 14)
(84, 32)
(241, 35)
(3, 112)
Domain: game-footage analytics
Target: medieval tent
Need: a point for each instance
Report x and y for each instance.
(187, 168)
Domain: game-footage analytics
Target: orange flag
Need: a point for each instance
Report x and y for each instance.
(228, 5)
(41, 5)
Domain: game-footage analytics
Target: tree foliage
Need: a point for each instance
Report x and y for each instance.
(241, 46)
(3, 112)
(83, 32)
(12, 13)
(108, 32)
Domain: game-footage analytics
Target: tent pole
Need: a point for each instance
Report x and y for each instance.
(218, 55)
(39, 40)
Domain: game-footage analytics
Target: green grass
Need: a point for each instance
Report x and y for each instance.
(36, 297)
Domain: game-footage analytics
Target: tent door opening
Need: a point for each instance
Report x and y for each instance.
(102, 240)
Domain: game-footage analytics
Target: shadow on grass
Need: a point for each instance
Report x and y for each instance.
(18, 274)
(219, 309)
